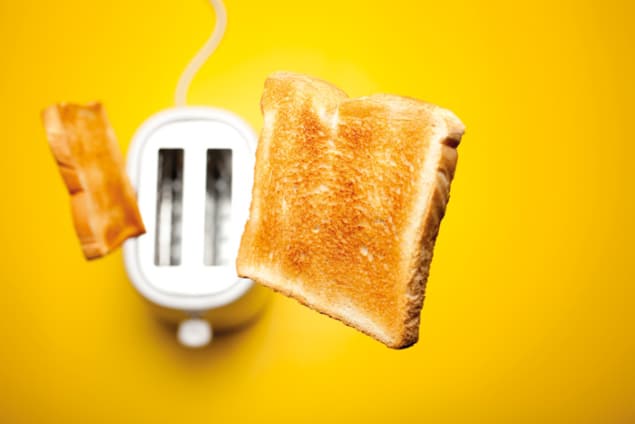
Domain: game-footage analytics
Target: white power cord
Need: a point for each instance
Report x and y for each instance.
(180, 97)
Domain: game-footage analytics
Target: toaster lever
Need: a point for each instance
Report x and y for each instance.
(194, 332)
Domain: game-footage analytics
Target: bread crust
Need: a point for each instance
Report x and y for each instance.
(428, 232)
(347, 202)
(103, 202)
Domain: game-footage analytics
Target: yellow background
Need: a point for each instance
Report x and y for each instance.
(530, 310)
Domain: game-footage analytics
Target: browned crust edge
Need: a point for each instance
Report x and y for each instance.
(429, 230)
(298, 297)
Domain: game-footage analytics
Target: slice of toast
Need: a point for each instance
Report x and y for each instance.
(103, 203)
(347, 202)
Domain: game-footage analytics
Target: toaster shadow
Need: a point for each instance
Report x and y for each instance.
(226, 344)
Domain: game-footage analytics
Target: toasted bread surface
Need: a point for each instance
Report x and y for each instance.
(347, 201)
(103, 203)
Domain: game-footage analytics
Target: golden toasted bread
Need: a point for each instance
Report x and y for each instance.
(347, 202)
(103, 202)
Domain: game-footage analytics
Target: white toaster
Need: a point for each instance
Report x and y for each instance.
(192, 168)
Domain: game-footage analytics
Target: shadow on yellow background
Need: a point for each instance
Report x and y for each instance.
(529, 315)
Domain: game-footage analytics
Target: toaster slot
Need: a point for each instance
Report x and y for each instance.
(167, 249)
(218, 198)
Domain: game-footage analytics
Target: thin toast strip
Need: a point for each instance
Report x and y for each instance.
(103, 202)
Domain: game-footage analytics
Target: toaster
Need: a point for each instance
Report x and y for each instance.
(192, 169)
